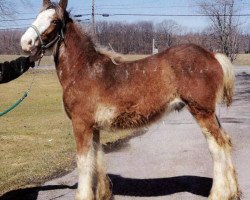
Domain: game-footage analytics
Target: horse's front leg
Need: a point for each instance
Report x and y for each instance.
(85, 159)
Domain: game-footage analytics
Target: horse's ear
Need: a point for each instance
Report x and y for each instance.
(46, 2)
(63, 4)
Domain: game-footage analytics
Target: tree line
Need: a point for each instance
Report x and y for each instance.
(136, 38)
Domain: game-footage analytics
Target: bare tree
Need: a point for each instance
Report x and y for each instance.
(10, 41)
(168, 31)
(126, 37)
(224, 24)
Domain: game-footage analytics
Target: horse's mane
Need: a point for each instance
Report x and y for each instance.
(116, 57)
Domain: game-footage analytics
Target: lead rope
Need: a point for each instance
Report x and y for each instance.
(26, 93)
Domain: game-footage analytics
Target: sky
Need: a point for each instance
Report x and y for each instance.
(116, 9)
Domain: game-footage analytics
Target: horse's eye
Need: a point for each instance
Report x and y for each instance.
(55, 22)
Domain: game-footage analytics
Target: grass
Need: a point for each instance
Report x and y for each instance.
(36, 138)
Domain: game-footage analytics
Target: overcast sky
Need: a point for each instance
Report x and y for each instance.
(116, 9)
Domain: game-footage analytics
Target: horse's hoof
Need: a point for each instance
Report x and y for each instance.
(83, 196)
(104, 192)
(216, 196)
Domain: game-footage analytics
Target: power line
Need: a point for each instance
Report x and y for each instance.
(136, 14)
(93, 16)
(20, 19)
(124, 14)
(132, 6)
(140, 5)
(124, 7)
(162, 15)
(129, 8)
(9, 29)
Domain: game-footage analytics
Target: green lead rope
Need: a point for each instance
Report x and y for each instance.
(15, 104)
(24, 95)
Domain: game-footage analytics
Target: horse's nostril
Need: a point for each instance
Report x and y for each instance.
(30, 42)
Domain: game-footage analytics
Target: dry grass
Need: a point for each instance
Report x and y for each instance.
(135, 57)
(46, 61)
(242, 59)
(36, 138)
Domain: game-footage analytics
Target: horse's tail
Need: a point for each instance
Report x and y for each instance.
(228, 78)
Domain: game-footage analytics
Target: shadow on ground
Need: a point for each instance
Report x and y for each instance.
(130, 187)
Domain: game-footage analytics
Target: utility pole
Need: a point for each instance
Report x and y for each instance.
(153, 46)
(154, 50)
(93, 16)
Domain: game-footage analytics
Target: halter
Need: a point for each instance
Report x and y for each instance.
(59, 37)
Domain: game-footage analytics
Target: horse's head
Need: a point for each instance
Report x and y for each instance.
(47, 29)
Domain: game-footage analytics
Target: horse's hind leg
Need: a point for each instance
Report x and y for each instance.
(103, 191)
(225, 184)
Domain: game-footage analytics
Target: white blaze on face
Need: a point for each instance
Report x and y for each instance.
(42, 22)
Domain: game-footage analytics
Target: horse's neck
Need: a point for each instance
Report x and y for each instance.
(74, 53)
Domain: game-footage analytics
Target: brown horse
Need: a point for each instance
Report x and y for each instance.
(98, 94)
